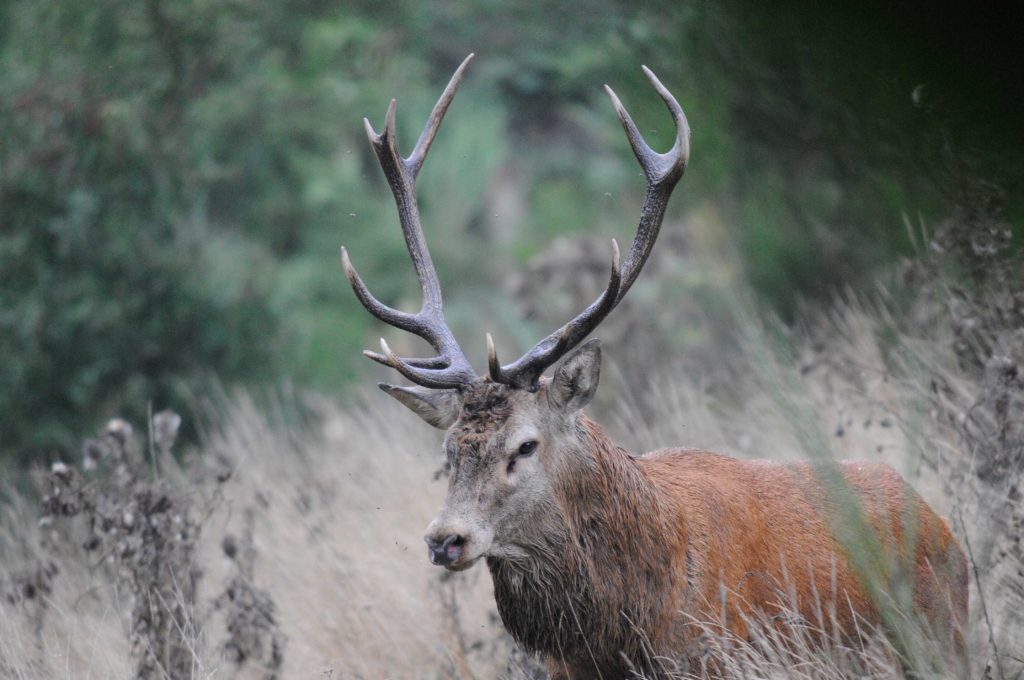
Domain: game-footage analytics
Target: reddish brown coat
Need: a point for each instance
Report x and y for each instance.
(656, 543)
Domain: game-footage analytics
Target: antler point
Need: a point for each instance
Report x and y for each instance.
(493, 365)
(620, 110)
(370, 132)
(350, 271)
(389, 119)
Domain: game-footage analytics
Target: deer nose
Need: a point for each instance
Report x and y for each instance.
(445, 551)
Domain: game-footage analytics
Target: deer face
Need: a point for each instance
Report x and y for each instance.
(505, 449)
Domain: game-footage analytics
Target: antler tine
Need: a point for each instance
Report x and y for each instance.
(657, 167)
(372, 304)
(419, 153)
(442, 377)
(662, 172)
(526, 371)
(450, 368)
(423, 362)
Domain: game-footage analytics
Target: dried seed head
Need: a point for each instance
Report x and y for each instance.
(120, 430)
(165, 429)
(61, 471)
(93, 451)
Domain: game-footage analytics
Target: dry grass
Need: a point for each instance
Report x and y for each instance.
(332, 519)
(837, 394)
(310, 563)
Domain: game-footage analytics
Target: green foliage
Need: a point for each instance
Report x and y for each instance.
(148, 179)
(176, 177)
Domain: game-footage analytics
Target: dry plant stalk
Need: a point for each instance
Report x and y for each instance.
(142, 531)
(130, 520)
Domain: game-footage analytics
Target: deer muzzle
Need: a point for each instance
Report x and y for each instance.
(446, 551)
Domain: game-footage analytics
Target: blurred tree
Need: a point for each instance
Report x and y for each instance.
(110, 296)
(175, 179)
(176, 176)
(851, 116)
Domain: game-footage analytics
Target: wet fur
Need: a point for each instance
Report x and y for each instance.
(592, 589)
(608, 571)
(633, 550)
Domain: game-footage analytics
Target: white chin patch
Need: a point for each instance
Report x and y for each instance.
(463, 566)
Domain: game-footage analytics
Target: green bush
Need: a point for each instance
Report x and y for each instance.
(176, 177)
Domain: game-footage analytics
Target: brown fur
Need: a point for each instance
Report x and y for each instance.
(485, 409)
(583, 601)
(646, 546)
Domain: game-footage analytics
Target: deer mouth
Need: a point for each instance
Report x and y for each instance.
(463, 565)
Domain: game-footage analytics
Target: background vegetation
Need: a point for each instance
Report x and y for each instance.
(291, 548)
(839, 275)
(176, 177)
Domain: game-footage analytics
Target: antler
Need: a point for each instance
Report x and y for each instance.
(449, 368)
(662, 171)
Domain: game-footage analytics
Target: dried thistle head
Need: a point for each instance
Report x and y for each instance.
(165, 429)
(62, 492)
(94, 451)
(120, 430)
(112, 445)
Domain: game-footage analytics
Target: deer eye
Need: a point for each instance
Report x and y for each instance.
(527, 448)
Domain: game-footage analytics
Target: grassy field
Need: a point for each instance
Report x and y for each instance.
(289, 544)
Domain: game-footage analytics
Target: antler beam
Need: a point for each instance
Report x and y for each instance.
(663, 172)
(449, 368)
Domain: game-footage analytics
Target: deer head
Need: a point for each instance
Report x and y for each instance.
(511, 435)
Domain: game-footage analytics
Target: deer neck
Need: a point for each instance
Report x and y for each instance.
(599, 571)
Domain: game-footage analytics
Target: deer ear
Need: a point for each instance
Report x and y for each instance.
(440, 408)
(575, 381)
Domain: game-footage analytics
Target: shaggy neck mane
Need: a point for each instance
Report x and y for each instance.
(597, 578)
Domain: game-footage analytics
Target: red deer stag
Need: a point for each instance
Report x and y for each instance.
(602, 561)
